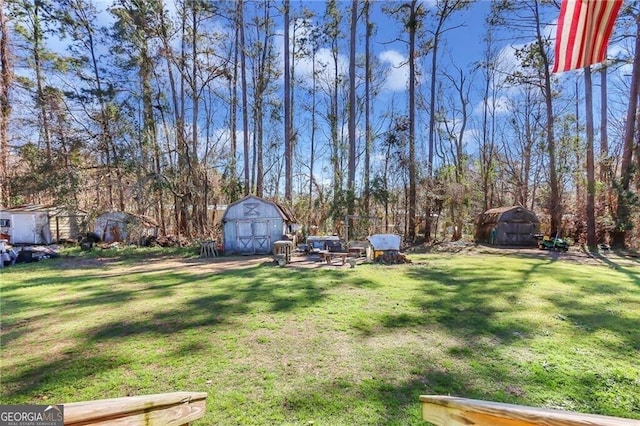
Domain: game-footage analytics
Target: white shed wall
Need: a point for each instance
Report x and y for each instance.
(28, 227)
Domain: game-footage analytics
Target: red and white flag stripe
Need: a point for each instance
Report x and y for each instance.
(584, 28)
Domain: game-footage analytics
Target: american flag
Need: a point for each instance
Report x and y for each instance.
(584, 28)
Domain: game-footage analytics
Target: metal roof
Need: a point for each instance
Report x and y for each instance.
(284, 211)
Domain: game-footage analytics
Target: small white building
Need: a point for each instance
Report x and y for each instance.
(27, 224)
(251, 226)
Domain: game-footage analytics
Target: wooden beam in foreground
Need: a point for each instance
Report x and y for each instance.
(452, 411)
(170, 409)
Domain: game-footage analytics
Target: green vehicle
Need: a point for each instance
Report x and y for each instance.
(548, 243)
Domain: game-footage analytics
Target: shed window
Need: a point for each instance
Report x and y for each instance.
(5, 223)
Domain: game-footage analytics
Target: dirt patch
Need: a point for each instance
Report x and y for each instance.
(116, 265)
(577, 254)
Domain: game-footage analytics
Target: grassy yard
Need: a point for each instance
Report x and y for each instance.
(326, 346)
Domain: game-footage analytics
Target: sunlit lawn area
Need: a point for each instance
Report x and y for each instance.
(328, 346)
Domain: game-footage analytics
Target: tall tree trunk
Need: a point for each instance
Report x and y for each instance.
(288, 156)
(199, 211)
(292, 87)
(604, 136)
(460, 157)
(179, 201)
(245, 112)
(262, 80)
(580, 205)
(184, 156)
(603, 207)
(555, 205)
(106, 137)
(432, 125)
(487, 146)
(6, 76)
(432, 113)
(313, 135)
(623, 211)
(413, 22)
(41, 102)
(351, 175)
(233, 114)
(333, 34)
(367, 107)
(148, 119)
(591, 178)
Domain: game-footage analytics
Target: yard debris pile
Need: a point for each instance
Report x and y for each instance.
(12, 255)
(391, 257)
(91, 239)
(167, 241)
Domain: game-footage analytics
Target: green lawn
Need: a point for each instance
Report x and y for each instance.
(328, 346)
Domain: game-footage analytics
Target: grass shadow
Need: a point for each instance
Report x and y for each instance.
(633, 275)
(72, 368)
(469, 304)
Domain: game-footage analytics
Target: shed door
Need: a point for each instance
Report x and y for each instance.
(525, 233)
(261, 237)
(519, 233)
(253, 237)
(245, 238)
(23, 228)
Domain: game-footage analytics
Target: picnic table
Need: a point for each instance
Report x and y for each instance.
(328, 256)
(357, 248)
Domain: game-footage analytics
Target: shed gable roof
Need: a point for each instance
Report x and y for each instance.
(285, 213)
(29, 208)
(500, 213)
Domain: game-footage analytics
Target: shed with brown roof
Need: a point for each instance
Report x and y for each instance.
(514, 226)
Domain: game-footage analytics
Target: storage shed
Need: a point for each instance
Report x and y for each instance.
(67, 224)
(251, 226)
(28, 224)
(515, 226)
(121, 226)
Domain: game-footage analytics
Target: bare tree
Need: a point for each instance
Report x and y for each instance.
(591, 178)
(412, 26)
(351, 175)
(488, 147)
(367, 104)
(288, 155)
(536, 71)
(6, 77)
(245, 102)
(623, 211)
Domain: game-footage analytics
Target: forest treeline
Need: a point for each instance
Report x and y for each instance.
(169, 108)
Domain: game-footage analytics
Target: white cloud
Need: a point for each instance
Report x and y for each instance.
(397, 77)
(507, 57)
(325, 66)
(499, 105)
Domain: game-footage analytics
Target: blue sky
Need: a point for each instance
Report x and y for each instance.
(461, 47)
